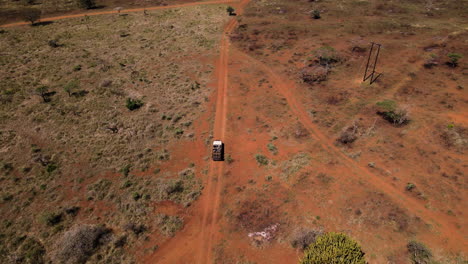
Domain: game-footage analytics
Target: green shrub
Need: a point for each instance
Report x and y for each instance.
(272, 148)
(262, 160)
(315, 14)
(133, 104)
(392, 113)
(126, 170)
(71, 87)
(334, 248)
(51, 219)
(51, 167)
(230, 10)
(419, 253)
(410, 186)
(327, 55)
(454, 57)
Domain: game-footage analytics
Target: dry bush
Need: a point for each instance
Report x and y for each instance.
(455, 137)
(349, 134)
(303, 237)
(168, 224)
(419, 253)
(79, 243)
(314, 74)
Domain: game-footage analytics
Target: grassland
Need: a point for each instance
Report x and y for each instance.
(71, 149)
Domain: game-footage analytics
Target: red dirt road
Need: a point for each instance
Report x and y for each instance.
(122, 11)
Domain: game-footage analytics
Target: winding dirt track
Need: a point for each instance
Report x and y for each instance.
(48, 19)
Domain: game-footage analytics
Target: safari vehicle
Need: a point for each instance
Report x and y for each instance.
(218, 150)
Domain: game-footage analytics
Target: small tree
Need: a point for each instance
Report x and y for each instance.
(31, 15)
(88, 4)
(315, 14)
(133, 104)
(43, 92)
(454, 57)
(334, 248)
(230, 10)
(71, 87)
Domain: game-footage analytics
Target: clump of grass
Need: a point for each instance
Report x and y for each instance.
(100, 189)
(261, 159)
(290, 167)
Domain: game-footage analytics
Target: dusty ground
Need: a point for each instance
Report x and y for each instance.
(305, 150)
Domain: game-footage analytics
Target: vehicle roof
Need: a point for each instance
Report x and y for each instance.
(217, 142)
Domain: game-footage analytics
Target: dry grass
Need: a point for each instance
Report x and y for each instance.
(60, 148)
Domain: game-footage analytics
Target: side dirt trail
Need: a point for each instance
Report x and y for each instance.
(287, 89)
(48, 19)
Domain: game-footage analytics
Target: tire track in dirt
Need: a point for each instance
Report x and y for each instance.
(439, 220)
(123, 11)
(211, 212)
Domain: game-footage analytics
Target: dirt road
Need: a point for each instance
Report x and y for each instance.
(210, 214)
(48, 19)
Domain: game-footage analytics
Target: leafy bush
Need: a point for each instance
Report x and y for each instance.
(419, 253)
(392, 113)
(133, 104)
(410, 186)
(454, 57)
(334, 248)
(230, 10)
(31, 15)
(315, 14)
(262, 160)
(79, 243)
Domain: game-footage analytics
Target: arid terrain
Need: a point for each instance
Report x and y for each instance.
(107, 118)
